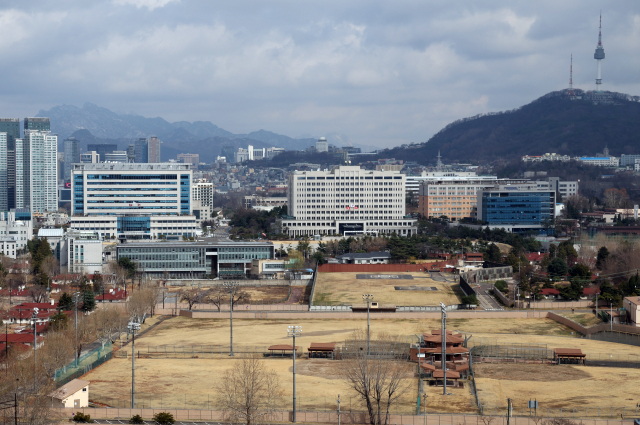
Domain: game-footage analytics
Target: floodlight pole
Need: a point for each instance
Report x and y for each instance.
(231, 287)
(368, 298)
(292, 332)
(76, 308)
(133, 327)
(443, 310)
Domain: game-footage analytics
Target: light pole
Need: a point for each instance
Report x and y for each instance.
(35, 348)
(76, 308)
(231, 287)
(133, 328)
(443, 310)
(338, 409)
(293, 332)
(424, 409)
(368, 298)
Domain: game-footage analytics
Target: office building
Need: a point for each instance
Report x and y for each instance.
(4, 175)
(37, 169)
(116, 188)
(190, 158)
(11, 126)
(413, 182)
(201, 212)
(141, 149)
(116, 156)
(347, 200)
(203, 191)
(517, 208)
(322, 145)
(607, 161)
(564, 188)
(453, 197)
(102, 149)
(71, 155)
(91, 157)
(153, 150)
(196, 259)
(17, 225)
(625, 160)
(242, 155)
(54, 237)
(37, 124)
(83, 252)
(138, 226)
(131, 153)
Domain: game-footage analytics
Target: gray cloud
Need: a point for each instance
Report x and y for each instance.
(382, 73)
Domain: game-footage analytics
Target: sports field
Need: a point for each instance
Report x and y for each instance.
(347, 288)
(557, 386)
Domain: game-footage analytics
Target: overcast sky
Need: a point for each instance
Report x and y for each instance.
(382, 73)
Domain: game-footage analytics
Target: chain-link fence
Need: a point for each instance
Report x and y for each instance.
(205, 352)
(84, 364)
(570, 413)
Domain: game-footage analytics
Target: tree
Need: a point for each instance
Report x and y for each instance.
(38, 294)
(216, 296)
(603, 254)
(50, 266)
(58, 321)
(164, 418)
(88, 301)
(557, 267)
(191, 296)
(128, 265)
(580, 270)
(616, 198)
(42, 280)
(109, 322)
(66, 302)
(138, 306)
(98, 284)
(493, 254)
(250, 392)
(377, 379)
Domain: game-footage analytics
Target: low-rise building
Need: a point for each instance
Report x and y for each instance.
(606, 161)
(365, 258)
(54, 237)
(138, 227)
(195, 259)
(268, 269)
(83, 252)
(74, 394)
(17, 225)
(632, 304)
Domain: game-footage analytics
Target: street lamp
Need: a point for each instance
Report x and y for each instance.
(293, 332)
(76, 308)
(443, 362)
(231, 287)
(368, 298)
(133, 328)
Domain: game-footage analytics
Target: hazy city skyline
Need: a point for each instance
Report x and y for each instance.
(382, 73)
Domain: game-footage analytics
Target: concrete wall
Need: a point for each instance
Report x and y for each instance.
(322, 417)
(379, 268)
(466, 314)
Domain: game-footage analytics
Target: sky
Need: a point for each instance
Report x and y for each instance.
(381, 73)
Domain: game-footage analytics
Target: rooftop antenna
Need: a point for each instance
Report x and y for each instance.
(599, 55)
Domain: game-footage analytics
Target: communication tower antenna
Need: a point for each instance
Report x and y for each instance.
(599, 55)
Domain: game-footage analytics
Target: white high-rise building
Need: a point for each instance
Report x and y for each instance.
(250, 149)
(203, 191)
(347, 200)
(322, 145)
(37, 171)
(4, 167)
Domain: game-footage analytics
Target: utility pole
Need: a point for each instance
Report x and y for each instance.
(424, 409)
(133, 328)
(35, 349)
(338, 409)
(76, 308)
(611, 316)
(231, 287)
(443, 310)
(293, 332)
(508, 410)
(368, 298)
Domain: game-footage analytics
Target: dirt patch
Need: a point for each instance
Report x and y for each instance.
(327, 369)
(529, 372)
(323, 333)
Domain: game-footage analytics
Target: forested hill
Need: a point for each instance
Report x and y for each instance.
(552, 123)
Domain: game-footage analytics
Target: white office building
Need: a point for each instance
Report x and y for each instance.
(606, 161)
(37, 171)
(131, 188)
(4, 176)
(116, 156)
(322, 145)
(202, 191)
(347, 200)
(138, 227)
(83, 252)
(17, 225)
(414, 182)
(91, 157)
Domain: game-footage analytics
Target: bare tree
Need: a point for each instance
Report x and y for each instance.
(378, 379)
(191, 296)
(487, 419)
(55, 353)
(109, 323)
(38, 294)
(86, 332)
(138, 306)
(250, 392)
(50, 266)
(216, 296)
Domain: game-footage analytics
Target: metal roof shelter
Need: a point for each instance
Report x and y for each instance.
(324, 350)
(281, 350)
(569, 356)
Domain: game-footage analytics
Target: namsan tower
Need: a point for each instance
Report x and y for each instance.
(599, 55)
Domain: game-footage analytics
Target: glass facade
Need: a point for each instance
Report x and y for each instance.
(134, 224)
(528, 208)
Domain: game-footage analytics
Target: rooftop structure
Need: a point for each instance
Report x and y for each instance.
(599, 56)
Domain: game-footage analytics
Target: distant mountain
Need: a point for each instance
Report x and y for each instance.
(552, 123)
(103, 124)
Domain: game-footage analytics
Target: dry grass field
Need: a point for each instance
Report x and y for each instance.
(345, 288)
(557, 386)
(195, 384)
(585, 319)
(182, 331)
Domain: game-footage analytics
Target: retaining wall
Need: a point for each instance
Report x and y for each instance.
(466, 314)
(379, 268)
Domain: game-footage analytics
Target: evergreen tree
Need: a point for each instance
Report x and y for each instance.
(65, 302)
(88, 301)
(59, 321)
(557, 267)
(603, 254)
(98, 284)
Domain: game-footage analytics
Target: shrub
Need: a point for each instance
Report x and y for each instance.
(502, 286)
(470, 299)
(164, 418)
(136, 419)
(82, 418)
